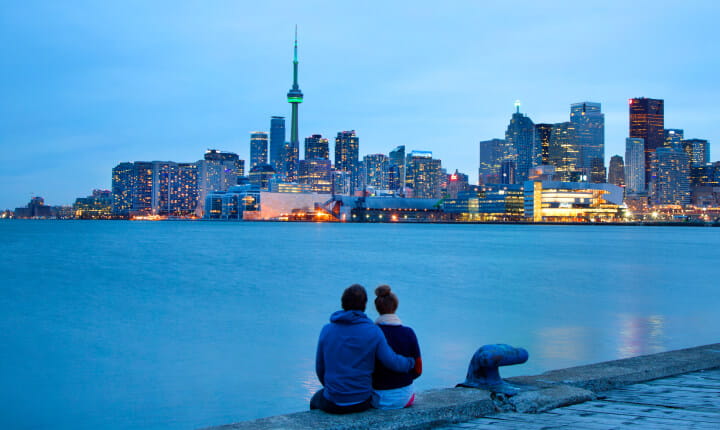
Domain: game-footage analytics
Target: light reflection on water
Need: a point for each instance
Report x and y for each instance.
(641, 335)
(188, 324)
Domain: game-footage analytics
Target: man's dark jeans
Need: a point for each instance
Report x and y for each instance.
(319, 401)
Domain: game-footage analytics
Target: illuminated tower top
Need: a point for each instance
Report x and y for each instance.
(295, 95)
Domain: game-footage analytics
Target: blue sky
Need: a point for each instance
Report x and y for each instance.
(86, 85)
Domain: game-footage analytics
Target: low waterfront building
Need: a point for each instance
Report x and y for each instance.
(554, 201)
(36, 208)
(96, 206)
(491, 202)
(281, 205)
(233, 204)
(390, 209)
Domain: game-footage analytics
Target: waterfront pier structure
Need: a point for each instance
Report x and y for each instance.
(693, 404)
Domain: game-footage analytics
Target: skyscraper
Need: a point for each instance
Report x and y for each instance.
(424, 175)
(589, 124)
(217, 171)
(154, 188)
(543, 132)
(671, 177)
(294, 97)
(521, 136)
(258, 148)
(277, 143)
(564, 152)
(698, 150)
(316, 147)
(347, 147)
(673, 138)
(123, 180)
(317, 173)
(396, 171)
(616, 171)
(375, 171)
(635, 165)
(647, 121)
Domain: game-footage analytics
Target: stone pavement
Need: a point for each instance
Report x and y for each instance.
(687, 401)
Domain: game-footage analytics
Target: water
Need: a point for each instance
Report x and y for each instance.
(177, 325)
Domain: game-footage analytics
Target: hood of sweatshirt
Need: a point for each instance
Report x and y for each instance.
(349, 317)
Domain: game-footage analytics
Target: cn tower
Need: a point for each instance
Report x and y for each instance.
(294, 97)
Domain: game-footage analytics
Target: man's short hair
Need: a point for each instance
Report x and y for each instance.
(354, 298)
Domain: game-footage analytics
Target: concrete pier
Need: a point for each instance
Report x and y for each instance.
(544, 392)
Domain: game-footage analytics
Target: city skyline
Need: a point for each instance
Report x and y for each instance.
(128, 96)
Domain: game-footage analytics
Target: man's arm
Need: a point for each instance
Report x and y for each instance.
(390, 359)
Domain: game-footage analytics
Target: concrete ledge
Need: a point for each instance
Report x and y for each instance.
(617, 373)
(542, 392)
(432, 408)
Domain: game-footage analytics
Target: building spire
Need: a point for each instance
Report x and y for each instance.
(295, 61)
(517, 106)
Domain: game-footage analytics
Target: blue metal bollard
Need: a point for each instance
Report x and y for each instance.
(483, 371)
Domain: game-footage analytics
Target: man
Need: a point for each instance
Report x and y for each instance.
(346, 354)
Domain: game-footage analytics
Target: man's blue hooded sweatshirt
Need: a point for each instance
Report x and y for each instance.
(346, 354)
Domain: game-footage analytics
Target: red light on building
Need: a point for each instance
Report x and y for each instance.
(453, 177)
(630, 101)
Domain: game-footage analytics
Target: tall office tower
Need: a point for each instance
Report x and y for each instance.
(589, 124)
(521, 135)
(316, 147)
(142, 188)
(698, 150)
(492, 154)
(316, 172)
(292, 157)
(184, 190)
(260, 175)
(616, 171)
(294, 97)
(457, 183)
(671, 177)
(375, 171)
(396, 176)
(218, 171)
(277, 143)
(647, 121)
(424, 175)
(347, 147)
(258, 148)
(673, 138)
(564, 152)
(122, 188)
(635, 165)
(508, 173)
(543, 132)
(174, 188)
(598, 173)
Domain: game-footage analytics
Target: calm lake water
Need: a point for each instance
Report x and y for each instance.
(179, 325)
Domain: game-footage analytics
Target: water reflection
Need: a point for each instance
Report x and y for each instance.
(641, 335)
(309, 383)
(564, 342)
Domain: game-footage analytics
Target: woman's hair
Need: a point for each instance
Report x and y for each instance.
(386, 301)
(354, 298)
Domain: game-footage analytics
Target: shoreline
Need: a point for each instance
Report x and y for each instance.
(617, 224)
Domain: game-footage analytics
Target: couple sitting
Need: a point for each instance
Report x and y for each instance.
(363, 365)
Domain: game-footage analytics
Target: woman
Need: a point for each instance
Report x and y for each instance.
(393, 390)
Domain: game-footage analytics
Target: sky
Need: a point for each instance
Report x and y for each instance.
(85, 85)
